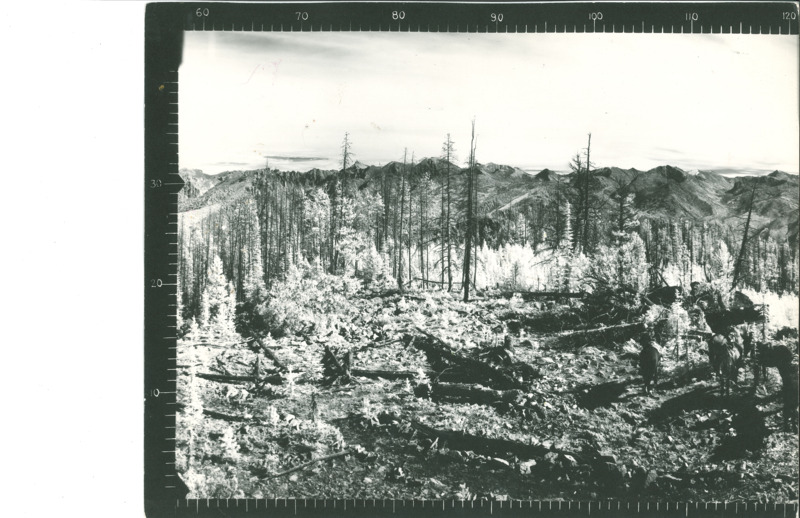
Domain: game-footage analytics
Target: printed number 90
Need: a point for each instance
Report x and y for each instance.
(398, 15)
(497, 17)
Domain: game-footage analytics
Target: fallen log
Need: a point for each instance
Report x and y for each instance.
(203, 344)
(598, 336)
(389, 375)
(472, 392)
(309, 463)
(446, 376)
(275, 379)
(271, 355)
(220, 415)
(545, 321)
(226, 417)
(435, 348)
(482, 445)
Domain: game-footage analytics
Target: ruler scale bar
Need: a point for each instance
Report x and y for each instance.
(694, 18)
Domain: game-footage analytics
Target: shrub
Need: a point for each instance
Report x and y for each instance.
(307, 298)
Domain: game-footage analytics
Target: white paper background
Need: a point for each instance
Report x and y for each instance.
(72, 212)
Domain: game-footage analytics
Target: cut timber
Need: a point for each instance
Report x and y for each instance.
(271, 355)
(473, 393)
(599, 336)
(224, 378)
(436, 348)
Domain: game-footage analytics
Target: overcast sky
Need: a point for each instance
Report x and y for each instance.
(693, 101)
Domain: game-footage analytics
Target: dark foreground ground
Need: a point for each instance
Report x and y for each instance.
(578, 426)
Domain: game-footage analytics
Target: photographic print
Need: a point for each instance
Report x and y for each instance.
(487, 265)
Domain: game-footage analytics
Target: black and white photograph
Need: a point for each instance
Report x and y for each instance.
(487, 266)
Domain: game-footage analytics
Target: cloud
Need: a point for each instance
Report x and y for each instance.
(296, 158)
(695, 101)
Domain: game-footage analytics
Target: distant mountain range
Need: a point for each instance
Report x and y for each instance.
(664, 192)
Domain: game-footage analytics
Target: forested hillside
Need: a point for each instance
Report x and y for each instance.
(410, 218)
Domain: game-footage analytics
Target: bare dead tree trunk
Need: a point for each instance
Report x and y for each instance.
(410, 219)
(585, 200)
(470, 216)
(421, 198)
(738, 266)
(448, 152)
(399, 246)
(442, 230)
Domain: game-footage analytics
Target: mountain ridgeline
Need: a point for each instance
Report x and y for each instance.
(662, 194)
